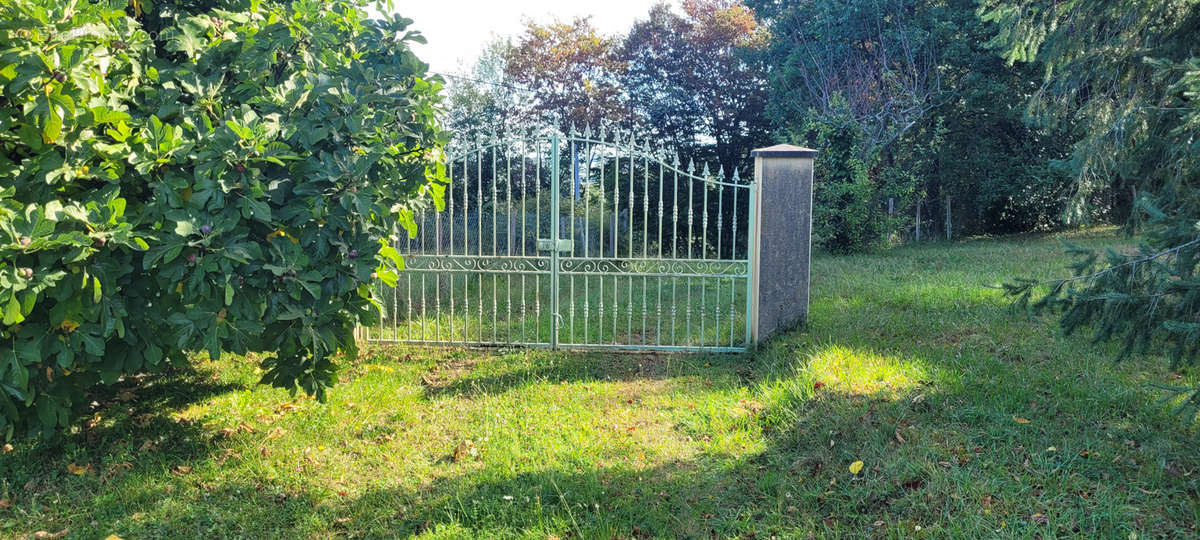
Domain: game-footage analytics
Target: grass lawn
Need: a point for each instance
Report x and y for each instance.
(970, 420)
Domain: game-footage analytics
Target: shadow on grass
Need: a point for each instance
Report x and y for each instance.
(457, 376)
(128, 435)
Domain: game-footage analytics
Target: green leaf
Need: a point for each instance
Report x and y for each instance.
(242, 132)
(52, 127)
(12, 311)
(96, 294)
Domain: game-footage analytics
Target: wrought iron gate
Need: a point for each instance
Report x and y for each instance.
(576, 241)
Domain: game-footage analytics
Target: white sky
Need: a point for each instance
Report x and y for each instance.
(457, 30)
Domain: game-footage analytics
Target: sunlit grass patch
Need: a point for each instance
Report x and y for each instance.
(857, 371)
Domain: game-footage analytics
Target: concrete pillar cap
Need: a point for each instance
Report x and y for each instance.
(784, 150)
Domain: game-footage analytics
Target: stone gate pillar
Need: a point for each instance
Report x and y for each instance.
(782, 236)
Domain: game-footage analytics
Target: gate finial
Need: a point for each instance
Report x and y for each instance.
(691, 166)
(587, 130)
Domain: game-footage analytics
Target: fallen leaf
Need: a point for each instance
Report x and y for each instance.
(817, 385)
(8, 448)
(899, 438)
(856, 467)
(1020, 420)
(79, 470)
(113, 537)
(1039, 519)
(5, 503)
(148, 446)
(182, 470)
(462, 450)
(43, 535)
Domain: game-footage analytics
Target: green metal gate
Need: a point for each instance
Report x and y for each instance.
(576, 241)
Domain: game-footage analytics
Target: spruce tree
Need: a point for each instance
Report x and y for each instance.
(1126, 75)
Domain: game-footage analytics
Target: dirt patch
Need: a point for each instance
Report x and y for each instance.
(442, 374)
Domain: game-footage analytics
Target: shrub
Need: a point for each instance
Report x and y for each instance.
(216, 176)
(846, 215)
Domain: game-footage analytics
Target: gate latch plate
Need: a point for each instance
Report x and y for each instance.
(546, 244)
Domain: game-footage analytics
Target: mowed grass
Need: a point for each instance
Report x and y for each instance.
(971, 420)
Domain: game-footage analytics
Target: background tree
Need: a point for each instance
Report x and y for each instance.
(572, 73)
(485, 101)
(218, 176)
(937, 114)
(698, 79)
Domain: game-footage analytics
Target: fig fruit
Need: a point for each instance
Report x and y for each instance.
(239, 167)
(26, 272)
(353, 254)
(191, 258)
(25, 240)
(60, 76)
(205, 229)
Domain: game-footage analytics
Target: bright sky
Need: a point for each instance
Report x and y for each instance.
(458, 30)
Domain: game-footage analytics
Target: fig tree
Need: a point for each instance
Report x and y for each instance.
(144, 141)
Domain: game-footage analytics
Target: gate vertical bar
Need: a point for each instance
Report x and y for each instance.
(554, 218)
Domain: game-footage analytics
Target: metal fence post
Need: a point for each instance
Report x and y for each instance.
(948, 228)
(781, 234)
